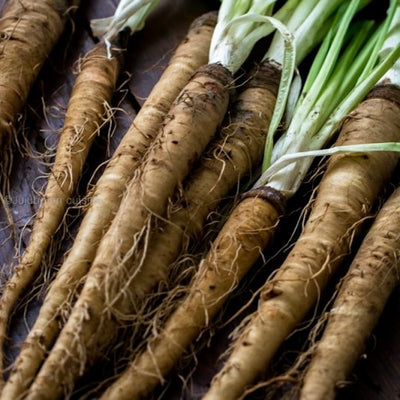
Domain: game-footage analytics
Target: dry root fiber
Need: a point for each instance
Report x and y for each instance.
(105, 200)
(92, 92)
(248, 230)
(192, 121)
(346, 194)
(363, 293)
(29, 30)
(235, 154)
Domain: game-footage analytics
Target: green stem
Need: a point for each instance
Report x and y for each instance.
(305, 108)
(330, 59)
(343, 79)
(231, 52)
(130, 14)
(287, 172)
(394, 5)
(307, 23)
(391, 42)
(261, 7)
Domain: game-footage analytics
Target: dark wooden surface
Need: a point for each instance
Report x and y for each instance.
(376, 376)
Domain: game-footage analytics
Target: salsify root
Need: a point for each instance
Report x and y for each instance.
(238, 245)
(104, 202)
(230, 157)
(233, 155)
(192, 121)
(236, 153)
(360, 301)
(345, 196)
(29, 29)
(92, 91)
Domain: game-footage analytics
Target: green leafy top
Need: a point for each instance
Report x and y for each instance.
(130, 14)
(349, 63)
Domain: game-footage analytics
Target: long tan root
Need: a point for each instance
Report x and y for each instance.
(93, 89)
(363, 293)
(346, 194)
(193, 119)
(105, 200)
(235, 154)
(248, 230)
(29, 29)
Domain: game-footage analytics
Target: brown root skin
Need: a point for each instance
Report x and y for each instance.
(345, 196)
(93, 89)
(191, 54)
(229, 158)
(233, 155)
(362, 296)
(388, 92)
(105, 200)
(192, 121)
(240, 242)
(28, 31)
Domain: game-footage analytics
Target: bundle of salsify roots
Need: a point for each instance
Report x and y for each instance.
(196, 136)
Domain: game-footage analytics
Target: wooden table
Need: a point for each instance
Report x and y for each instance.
(376, 376)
